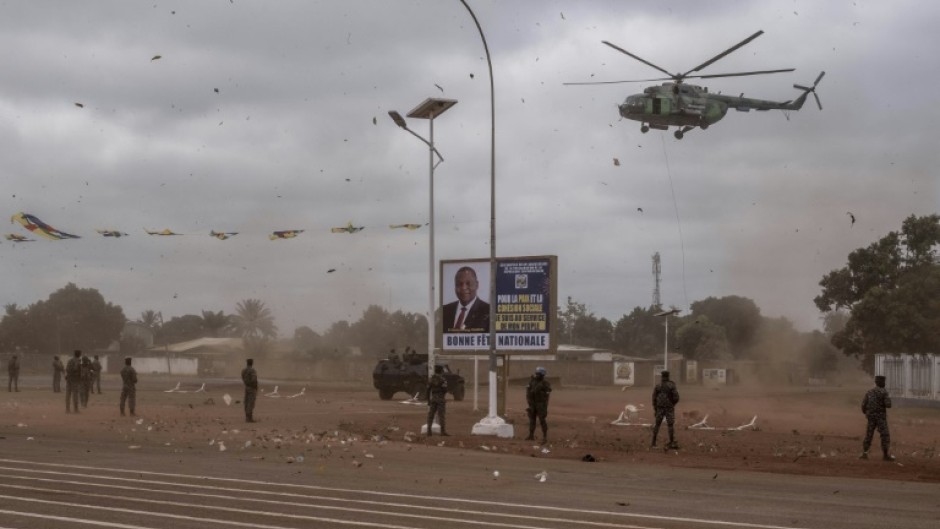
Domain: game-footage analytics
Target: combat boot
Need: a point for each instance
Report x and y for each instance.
(531, 436)
(887, 456)
(864, 455)
(672, 445)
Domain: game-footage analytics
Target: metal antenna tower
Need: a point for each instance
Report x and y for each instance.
(657, 271)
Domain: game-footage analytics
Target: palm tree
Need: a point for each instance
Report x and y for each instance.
(151, 319)
(253, 320)
(215, 322)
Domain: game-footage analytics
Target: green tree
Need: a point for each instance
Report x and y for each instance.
(71, 318)
(255, 324)
(641, 333)
(890, 291)
(568, 318)
(697, 338)
(820, 355)
(306, 340)
(215, 323)
(739, 316)
(181, 329)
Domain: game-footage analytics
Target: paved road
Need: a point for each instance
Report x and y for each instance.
(68, 483)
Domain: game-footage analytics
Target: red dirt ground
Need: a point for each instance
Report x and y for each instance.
(800, 430)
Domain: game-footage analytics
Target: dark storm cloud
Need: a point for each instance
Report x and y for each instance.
(288, 142)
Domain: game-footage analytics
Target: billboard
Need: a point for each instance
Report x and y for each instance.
(525, 304)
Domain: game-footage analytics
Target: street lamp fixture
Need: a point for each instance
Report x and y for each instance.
(665, 315)
(428, 109)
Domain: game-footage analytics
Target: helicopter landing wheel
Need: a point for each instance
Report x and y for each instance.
(703, 126)
(644, 129)
(678, 134)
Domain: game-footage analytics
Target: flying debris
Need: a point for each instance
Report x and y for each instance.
(164, 232)
(617, 162)
(33, 224)
(112, 233)
(349, 228)
(222, 235)
(375, 121)
(216, 90)
(851, 216)
(411, 227)
(17, 238)
(439, 87)
(640, 210)
(284, 234)
(331, 270)
(155, 57)
(79, 105)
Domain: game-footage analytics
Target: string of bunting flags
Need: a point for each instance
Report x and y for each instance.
(37, 227)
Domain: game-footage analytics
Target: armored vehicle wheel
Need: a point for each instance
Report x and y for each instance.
(386, 394)
(644, 129)
(678, 134)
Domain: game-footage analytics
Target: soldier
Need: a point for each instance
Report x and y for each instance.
(73, 381)
(128, 386)
(13, 368)
(536, 396)
(875, 406)
(88, 375)
(250, 378)
(665, 398)
(57, 370)
(437, 400)
(96, 372)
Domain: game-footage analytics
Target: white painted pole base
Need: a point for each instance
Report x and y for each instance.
(494, 425)
(435, 428)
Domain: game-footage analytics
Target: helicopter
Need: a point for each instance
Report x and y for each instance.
(687, 106)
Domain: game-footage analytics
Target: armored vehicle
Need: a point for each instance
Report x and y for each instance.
(411, 376)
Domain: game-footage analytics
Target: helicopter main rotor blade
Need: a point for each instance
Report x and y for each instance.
(741, 74)
(816, 82)
(620, 82)
(724, 53)
(817, 100)
(644, 61)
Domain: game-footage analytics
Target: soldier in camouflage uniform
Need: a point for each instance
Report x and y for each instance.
(665, 398)
(536, 396)
(13, 368)
(250, 378)
(73, 381)
(128, 387)
(57, 370)
(88, 376)
(96, 374)
(875, 406)
(437, 400)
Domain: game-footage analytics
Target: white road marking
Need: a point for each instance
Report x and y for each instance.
(188, 518)
(74, 520)
(486, 503)
(296, 504)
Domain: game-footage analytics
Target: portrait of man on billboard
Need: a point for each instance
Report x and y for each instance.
(469, 313)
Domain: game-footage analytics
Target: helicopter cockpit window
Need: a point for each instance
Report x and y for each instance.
(635, 103)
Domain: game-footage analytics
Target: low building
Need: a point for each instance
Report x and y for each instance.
(911, 378)
(202, 356)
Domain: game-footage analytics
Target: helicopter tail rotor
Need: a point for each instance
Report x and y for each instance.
(812, 89)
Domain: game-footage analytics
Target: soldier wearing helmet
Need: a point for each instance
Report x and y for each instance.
(536, 396)
(665, 398)
(875, 406)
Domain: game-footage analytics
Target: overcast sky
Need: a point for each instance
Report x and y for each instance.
(258, 116)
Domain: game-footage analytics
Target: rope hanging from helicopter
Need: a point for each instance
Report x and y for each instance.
(675, 205)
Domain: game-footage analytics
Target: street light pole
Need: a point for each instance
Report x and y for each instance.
(428, 109)
(492, 424)
(666, 314)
